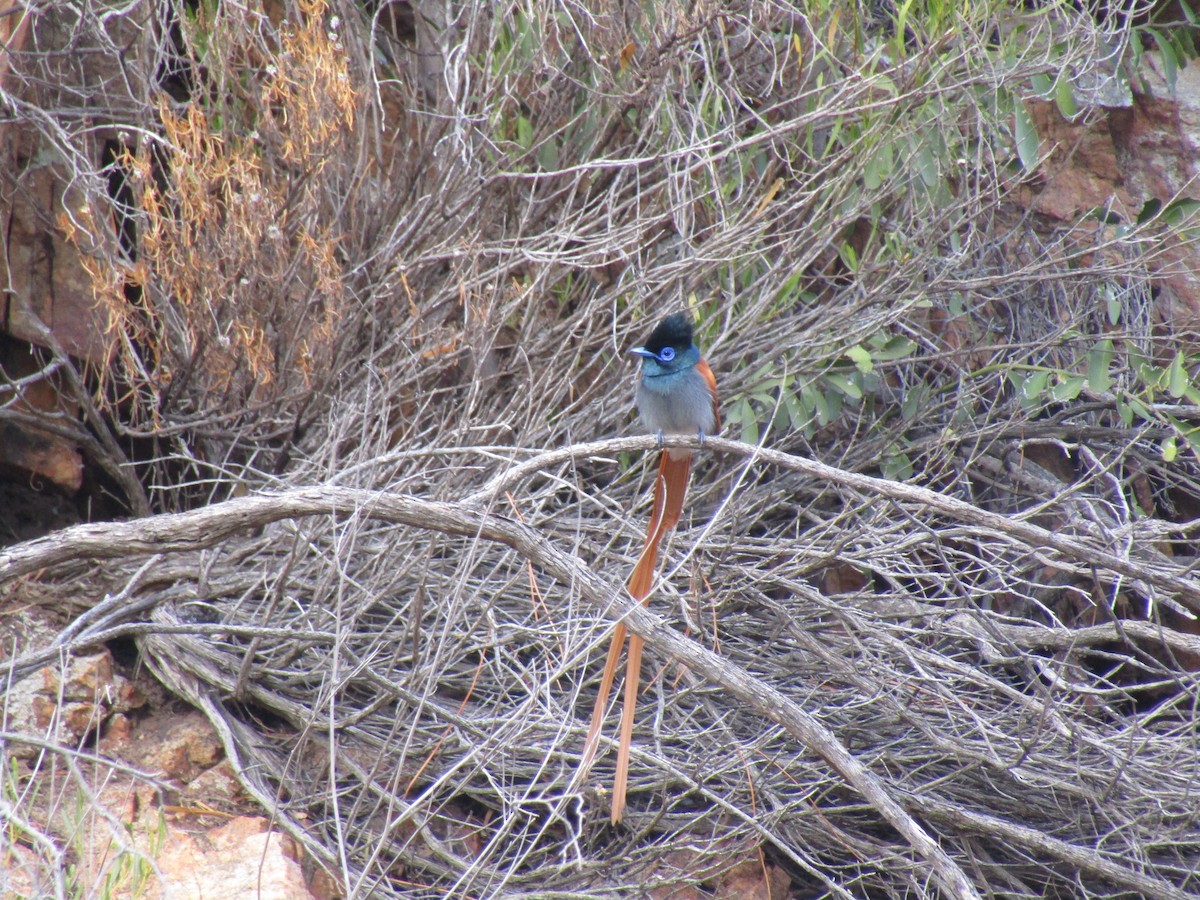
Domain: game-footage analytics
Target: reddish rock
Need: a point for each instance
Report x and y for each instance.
(42, 709)
(40, 453)
(64, 706)
(90, 677)
(241, 858)
(42, 270)
(216, 788)
(30, 449)
(47, 279)
(684, 874)
(119, 729)
(82, 718)
(1122, 158)
(173, 746)
(22, 874)
(753, 879)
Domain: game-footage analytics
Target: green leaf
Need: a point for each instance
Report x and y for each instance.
(1112, 304)
(846, 384)
(861, 357)
(805, 406)
(849, 257)
(798, 414)
(750, 432)
(1140, 409)
(1105, 215)
(897, 466)
(881, 82)
(1124, 412)
(1067, 388)
(1149, 210)
(879, 167)
(524, 132)
(1177, 376)
(1192, 436)
(926, 164)
(1100, 357)
(1169, 449)
(1033, 388)
(833, 402)
(1148, 374)
(789, 288)
(1170, 60)
(896, 347)
(1026, 135)
(547, 156)
(742, 413)
(913, 403)
(1064, 97)
(781, 419)
(1179, 212)
(821, 408)
(901, 19)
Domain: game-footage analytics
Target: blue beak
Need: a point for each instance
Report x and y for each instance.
(642, 351)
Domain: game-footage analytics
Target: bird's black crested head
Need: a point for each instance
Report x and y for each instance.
(674, 331)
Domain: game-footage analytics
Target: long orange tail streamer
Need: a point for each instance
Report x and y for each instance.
(670, 488)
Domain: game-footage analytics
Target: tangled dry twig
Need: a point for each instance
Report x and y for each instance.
(225, 526)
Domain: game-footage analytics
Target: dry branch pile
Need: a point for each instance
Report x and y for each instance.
(974, 623)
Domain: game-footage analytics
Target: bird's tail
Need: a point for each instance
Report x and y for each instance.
(670, 488)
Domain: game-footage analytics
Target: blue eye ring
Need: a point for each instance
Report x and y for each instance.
(666, 354)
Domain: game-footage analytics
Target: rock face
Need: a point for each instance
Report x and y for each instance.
(43, 279)
(24, 448)
(182, 829)
(243, 857)
(1129, 160)
(66, 705)
(44, 274)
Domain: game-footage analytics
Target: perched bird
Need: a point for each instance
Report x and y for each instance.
(676, 394)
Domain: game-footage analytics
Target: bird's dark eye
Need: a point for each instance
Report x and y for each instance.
(666, 354)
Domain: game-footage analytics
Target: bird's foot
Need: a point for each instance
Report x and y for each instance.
(659, 439)
(700, 436)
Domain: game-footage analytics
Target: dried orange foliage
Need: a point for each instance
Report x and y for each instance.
(240, 282)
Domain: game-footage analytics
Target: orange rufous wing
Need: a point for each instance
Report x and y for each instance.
(711, 381)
